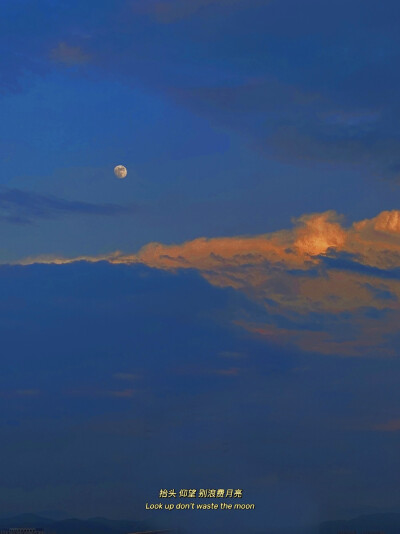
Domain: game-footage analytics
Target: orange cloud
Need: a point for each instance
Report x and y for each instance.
(323, 287)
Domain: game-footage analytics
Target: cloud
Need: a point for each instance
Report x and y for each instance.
(232, 371)
(341, 144)
(300, 125)
(320, 286)
(390, 426)
(28, 392)
(232, 354)
(169, 11)
(24, 207)
(98, 393)
(69, 55)
(122, 394)
(128, 377)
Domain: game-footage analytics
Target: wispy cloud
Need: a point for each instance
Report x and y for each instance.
(101, 392)
(127, 377)
(21, 393)
(389, 426)
(292, 124)
(69, 55)
(232, 354)
(24, 207)
(232, 371)
(168, 11)
(122, 394)
(27, 392)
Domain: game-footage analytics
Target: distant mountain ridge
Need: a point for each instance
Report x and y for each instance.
(387, 523)
(95, 525)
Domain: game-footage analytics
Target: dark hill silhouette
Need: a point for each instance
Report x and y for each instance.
(120, 525)
(25, 520)
(96, 525)
(387, 523)
(77, 526)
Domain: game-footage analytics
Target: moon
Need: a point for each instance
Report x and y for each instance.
(120, 171)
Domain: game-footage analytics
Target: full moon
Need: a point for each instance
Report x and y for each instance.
(120, 171)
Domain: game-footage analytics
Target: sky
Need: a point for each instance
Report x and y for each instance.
(226, 315)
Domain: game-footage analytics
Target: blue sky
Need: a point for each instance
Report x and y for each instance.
(251, 112)
(226, 314)
(115, 384)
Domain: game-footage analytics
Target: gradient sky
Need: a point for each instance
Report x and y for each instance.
(227, 315)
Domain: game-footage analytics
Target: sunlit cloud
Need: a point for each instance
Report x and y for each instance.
(320, 286)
